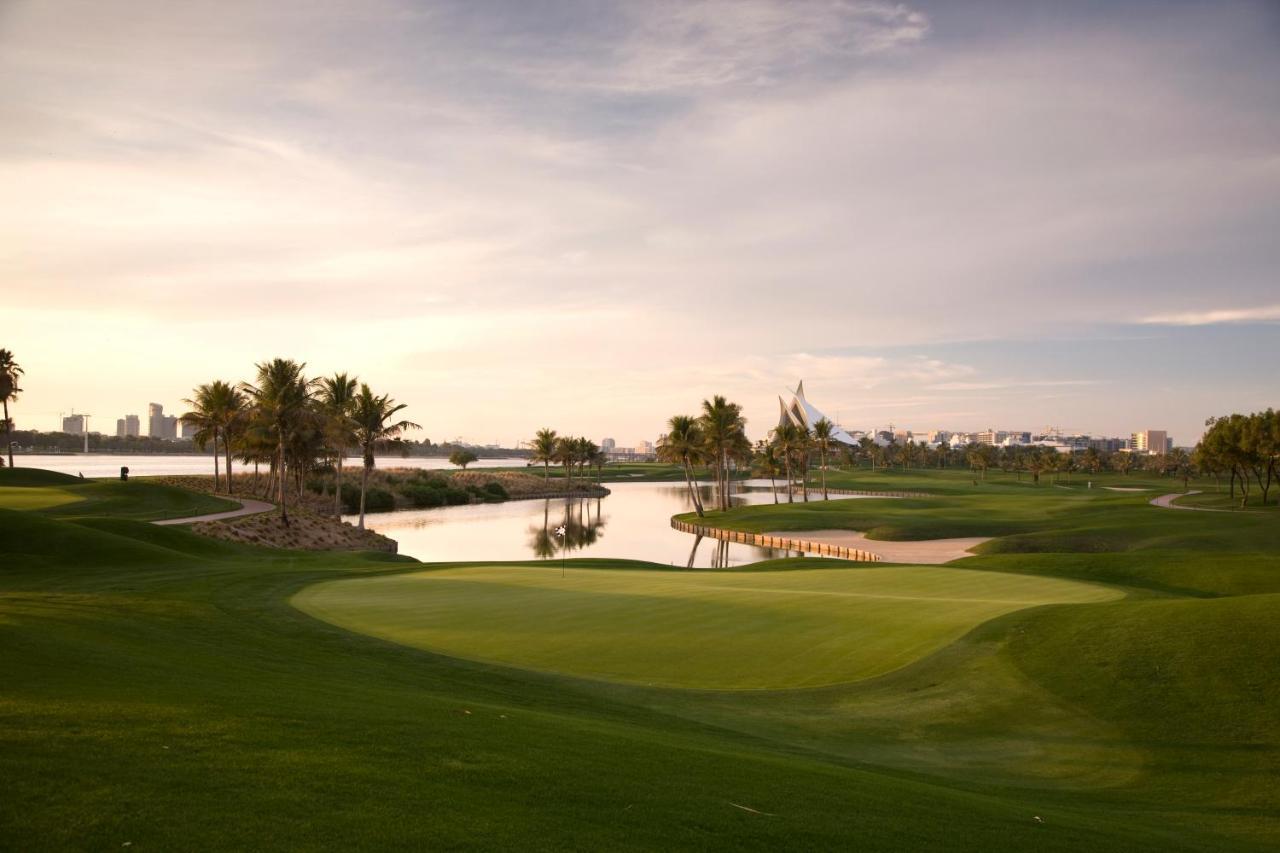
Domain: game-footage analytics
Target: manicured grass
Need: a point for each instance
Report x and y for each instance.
(14, 497)
(160, 689)
(715, 631)
(72, 497)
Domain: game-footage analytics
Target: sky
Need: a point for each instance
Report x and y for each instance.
(592, 216)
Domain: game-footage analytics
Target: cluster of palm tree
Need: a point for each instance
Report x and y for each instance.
(293, 425)
(574, 453)
(789, 452)
(10, 373)
(717, 439)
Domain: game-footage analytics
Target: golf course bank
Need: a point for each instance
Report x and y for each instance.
(1100, 675)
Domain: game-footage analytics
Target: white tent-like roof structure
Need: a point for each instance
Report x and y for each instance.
(804, 414)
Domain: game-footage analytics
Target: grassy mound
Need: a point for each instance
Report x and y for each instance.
(27, 477)
(679, 629)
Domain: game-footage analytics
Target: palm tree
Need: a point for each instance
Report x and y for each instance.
(544, 450)
(566, 453)
(822, 435)
(767, 459)
(372, 415)
(684, 443)
(337, 399)
(217, 411)
(203, 417)
(787, 440)
(724, 430)
(280, 397)
(10, 370)
(583, 449)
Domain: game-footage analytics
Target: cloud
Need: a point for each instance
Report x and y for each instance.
(1260, 314)
(679, 46)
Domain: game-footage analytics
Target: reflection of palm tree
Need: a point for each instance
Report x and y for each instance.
(542, 540)
(580, 529)
(693, 552)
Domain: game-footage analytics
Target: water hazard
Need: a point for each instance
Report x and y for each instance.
(631, 523)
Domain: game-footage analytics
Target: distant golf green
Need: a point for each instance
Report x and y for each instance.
(753, 630)
(12, 497)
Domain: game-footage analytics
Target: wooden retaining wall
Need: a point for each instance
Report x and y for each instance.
(782, 543)
(817, 490)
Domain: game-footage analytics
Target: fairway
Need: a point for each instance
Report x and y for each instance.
(707, 630)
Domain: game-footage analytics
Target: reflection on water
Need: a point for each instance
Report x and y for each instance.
(634, 522)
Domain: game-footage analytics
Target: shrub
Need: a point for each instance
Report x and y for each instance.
(422, 496)
(495, 491)
(375, 500)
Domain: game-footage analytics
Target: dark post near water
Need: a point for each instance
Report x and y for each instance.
(124, 472)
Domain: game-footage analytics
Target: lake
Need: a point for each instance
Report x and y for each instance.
(634, 522)
(156, 464)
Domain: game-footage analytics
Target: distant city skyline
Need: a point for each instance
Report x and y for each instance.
(593, 216)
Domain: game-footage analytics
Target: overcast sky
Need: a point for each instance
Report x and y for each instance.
(591, 215)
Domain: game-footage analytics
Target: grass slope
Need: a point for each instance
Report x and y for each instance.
(72, 497)
(763, 630)
(159, 689)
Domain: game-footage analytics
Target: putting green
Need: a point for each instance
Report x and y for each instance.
(17, 497)
(711, 630)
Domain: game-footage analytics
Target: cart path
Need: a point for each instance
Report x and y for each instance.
(248, 506)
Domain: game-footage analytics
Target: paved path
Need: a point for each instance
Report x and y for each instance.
(1167, 501)
(247, 507)
(929, 551)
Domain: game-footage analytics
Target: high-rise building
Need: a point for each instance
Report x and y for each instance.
(170, 427)
(155, 420)
(608, 445)
(1150, 441)
(74, 425)
(127, 426)
(189, 429)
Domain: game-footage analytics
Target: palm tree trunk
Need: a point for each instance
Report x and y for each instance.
(791, 492)
(693, 493)
(337, 487)
(226, 446)
(824, 476)
(8, 429)
(364, 485)
(215, 460)
(280, 489)
(773, 483)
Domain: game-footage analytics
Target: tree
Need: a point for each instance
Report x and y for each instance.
(544, 450)
(337, 400)
(724, 430)
(213, 406)
(822, 432)
(788, 442)
(10, 371)
(280, 397)
(372, 415)
(684, 443)
(767, 459)
(566, 453)
(462, 458)
(1122, 461)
